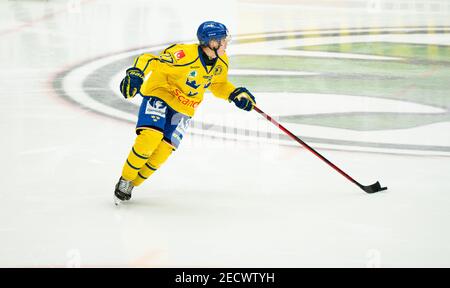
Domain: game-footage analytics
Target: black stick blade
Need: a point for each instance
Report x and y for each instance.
(374, 188)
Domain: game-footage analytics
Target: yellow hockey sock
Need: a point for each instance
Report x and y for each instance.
(159, 156)
(144, 145)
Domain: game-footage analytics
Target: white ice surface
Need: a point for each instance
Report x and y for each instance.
(215, 203)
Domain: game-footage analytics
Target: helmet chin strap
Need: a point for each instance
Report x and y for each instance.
(214, 49)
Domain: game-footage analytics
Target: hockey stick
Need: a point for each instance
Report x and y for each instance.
(376, 187)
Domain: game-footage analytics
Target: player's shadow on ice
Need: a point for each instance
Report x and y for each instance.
(169, 202)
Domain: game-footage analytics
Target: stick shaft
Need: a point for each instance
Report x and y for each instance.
(306, 145)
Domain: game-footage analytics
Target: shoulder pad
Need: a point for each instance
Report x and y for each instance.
(179, 53)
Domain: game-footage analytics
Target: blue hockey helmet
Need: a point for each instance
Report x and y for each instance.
(211, 30)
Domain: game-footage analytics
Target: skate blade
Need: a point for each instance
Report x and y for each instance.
(117, 201)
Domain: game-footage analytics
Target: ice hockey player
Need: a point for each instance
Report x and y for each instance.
(172, 87)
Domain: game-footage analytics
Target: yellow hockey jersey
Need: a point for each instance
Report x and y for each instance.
(180, 76)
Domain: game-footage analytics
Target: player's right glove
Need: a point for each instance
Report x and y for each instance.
(132, 82)
(242, 98)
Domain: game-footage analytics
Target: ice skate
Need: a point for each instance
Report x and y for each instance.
(122, 191)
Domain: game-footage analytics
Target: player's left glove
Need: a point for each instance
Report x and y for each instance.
(132, 82)
(242, 98)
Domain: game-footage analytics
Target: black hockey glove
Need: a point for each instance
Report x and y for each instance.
(132, 82)
(242, 98)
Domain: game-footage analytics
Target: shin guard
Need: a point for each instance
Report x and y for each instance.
(146, 142)
(158, 157)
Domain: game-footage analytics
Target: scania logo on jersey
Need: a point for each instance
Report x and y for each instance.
(179, 54)
(183, 100)
(188, 102)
